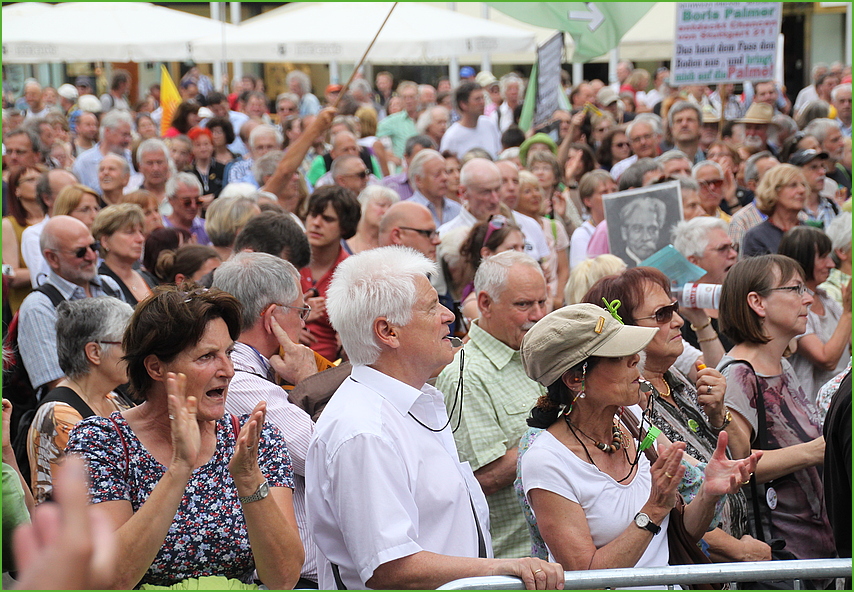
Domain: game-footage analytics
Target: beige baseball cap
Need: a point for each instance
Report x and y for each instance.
(570, 335)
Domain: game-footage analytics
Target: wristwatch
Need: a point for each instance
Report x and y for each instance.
(643, 521)
(259, 494)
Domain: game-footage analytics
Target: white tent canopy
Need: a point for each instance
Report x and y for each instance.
(323, 32)
(101, 31)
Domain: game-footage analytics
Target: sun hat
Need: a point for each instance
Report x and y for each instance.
(568, 336)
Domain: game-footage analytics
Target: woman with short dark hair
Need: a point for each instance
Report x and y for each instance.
(823, 348)
(192, 491)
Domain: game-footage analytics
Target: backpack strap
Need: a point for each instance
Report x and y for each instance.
(69, 397)
(51, 292)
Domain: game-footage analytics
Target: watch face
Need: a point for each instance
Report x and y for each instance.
(642, 520)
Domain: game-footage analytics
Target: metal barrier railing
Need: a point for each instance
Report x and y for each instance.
(714, 573)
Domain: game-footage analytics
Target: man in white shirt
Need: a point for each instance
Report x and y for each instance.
(474, 129)
(389, 503)
(273, 310)
(535, 239)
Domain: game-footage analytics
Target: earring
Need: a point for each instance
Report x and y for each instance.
(582, 394)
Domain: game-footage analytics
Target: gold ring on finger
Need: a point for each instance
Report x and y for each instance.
(537, 571)
(668, 475)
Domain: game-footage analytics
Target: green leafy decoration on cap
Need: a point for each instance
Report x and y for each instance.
(613, 307)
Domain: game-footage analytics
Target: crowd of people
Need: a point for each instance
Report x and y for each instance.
(379, 338)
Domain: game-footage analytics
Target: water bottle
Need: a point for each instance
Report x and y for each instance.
(694, 295)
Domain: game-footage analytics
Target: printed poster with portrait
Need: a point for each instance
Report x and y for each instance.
(640, 220)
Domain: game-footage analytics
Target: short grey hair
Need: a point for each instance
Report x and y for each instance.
(226, 216)
(818, 128)
(751, 167)
(257, 280)
(179, 179)
(688, 184)
(287, 96)
(671, 155)
(373, 284)
(652, 120)
(79, 322)
(416, 165)
(839, 232)
(304, 80)
(692, 237)
(509, 154)
(683, 106)
(154, 145)
(706, 163)
(265, 129)
(834, 94)
(266, 166)
(114, 118)
(360, 84)
(372, 192)
(493, 273)
(425, 120)
(125, 164)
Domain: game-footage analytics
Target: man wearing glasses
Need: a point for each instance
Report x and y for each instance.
(350, 172)
(710, 176)
(72, 255)
(184, 192)
(268, 352)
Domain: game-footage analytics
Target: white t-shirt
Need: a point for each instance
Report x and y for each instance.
(578, 243)
(535, 239)
(609, 507)
(459, 139)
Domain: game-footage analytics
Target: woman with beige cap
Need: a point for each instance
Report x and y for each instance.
(599, 503)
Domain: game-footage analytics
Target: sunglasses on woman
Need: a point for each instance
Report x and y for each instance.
(663, 314)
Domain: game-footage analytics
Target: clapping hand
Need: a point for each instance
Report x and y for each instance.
(727, 476)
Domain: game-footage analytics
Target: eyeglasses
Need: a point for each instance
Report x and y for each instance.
(621, 145)
(725, 248)
(663, 314)
(643, 138)
(363, 174)
(800, 289)
(189, 201)
(304, 311)
(431, 234)
(495, 223)
(109, 342)
(716, 183)
(80, 252)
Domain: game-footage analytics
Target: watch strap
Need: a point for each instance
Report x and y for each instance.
(260, 493)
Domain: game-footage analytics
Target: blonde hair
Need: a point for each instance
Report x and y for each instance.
(70, 197)
(772, 181)
(587, 273)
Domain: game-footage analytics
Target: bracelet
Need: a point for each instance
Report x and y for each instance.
(707, 339)
(698, 329)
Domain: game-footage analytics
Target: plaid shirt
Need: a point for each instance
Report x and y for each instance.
(497, 396)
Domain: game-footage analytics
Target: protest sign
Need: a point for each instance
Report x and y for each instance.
(640, 220)
(719, 42)
(549, 57)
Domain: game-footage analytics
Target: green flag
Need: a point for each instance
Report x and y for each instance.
(596, 27)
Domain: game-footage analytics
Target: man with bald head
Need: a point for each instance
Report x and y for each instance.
(47, 188)
(35, 105)
(411, 225)
(344, 143)
(71, 253)
(349, 171)
(480, 183)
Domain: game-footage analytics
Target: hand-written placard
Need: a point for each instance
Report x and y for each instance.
(719, 42)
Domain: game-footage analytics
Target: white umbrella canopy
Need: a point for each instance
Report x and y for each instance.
(321, 32)
(101, 31)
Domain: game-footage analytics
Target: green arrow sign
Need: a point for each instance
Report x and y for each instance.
(595, 27)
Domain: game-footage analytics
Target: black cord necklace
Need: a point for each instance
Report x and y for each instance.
(458, 396)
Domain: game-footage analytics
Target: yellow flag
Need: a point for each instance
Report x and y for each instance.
(169, 99)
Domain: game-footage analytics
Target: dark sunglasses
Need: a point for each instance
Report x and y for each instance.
(663, 314)
(431, 234)
(80, 252)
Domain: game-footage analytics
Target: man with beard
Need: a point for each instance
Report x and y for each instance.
(87, 132)
(756, 122)
(642, 221)
(497, 394)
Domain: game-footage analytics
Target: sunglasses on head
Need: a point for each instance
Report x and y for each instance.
(495, 223)
(663, 314)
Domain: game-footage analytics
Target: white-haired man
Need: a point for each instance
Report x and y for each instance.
(155, 168)
(263, 139)
(480, 184)
(268, 349)
(389, 503)
(300, 84)
(644, 134)
(840, 97)
(116, 137)
(427, 174)
(511, 296)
